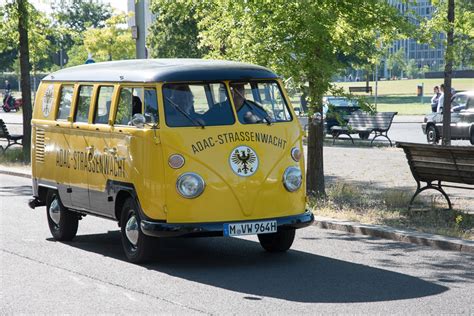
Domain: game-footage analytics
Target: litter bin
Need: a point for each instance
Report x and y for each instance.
(419, 90)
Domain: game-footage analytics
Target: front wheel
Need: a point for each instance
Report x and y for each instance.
(137, 246)
(432, 136)
(62, 222)
(280, 241)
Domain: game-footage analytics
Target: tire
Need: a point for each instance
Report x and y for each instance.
(364, 135)
(432, 136)
(471, 139)
(62, 222)
(280, 241)
(136, 245)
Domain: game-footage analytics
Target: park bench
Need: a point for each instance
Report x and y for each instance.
(361, 89)
(11, 139)
(436, 165)
(364, 124)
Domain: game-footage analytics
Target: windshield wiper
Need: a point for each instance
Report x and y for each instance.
(266, 117)
(177, 107)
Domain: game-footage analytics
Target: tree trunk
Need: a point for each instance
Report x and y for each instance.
(315, 169)
(25, 76)
(448, 73)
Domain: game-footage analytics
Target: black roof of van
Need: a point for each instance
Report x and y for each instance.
(161, 70)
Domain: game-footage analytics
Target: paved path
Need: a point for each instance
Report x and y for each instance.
(326, 272)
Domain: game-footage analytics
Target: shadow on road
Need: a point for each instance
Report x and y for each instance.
(242, 266)
(18, 190)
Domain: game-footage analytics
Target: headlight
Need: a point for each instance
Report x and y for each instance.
(190, 185)
(292, 178)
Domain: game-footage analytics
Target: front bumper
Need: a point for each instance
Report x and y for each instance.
(163, 229)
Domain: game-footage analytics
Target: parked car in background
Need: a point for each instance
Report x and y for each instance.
(462, 120)
(336, 111)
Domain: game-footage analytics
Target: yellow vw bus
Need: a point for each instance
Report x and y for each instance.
(169, 147)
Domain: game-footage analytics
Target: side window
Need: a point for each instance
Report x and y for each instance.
(136, 100)
(65, 101)
(104, 100)
(83, 104)
(151, 106)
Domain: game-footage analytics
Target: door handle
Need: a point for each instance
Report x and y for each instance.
(90, 148)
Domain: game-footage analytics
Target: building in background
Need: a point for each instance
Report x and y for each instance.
(422, 54)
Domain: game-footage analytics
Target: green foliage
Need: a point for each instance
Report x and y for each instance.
(110, 42)
(174, 33)
(80, 15)
(463, 48)
(309, 41)
(40, 47)
(396, 63)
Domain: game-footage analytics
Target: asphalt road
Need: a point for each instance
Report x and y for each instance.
(325, 272)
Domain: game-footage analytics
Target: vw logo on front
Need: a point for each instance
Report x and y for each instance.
(243, 161)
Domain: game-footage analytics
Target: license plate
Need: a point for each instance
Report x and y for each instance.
(250, 228)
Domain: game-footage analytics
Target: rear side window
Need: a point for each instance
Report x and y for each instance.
(83, 104)
(104, 100)
(65, 101)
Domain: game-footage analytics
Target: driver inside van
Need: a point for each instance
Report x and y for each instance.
(180, 106)
(248, 111)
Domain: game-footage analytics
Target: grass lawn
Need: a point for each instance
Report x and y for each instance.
(345, 201)
(409, 87)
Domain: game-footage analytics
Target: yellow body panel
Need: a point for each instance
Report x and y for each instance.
(86, 156)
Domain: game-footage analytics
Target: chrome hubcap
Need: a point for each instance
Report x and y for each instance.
(55, 211)
(131, 230)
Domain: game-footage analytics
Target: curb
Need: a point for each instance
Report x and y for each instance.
(385, 232)
(407, 236)
(15, 173)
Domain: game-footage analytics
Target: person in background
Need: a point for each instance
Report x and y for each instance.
(434, 99)
(439, 109)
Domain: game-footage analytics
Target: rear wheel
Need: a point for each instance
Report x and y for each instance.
(472, 135)
(137, 246)
(280, 241)
(432, 136)
(62, 222)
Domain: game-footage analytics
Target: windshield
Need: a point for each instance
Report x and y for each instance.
(197, 105)
(259, 102)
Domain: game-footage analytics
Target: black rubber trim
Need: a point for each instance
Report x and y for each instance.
(162, 229)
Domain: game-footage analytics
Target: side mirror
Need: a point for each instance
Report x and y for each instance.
(138, 120)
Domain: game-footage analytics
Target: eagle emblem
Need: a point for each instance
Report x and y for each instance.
(48, 100)
(243, 161)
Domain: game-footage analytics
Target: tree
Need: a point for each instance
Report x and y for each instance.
(174, 33)
(304, 40)
(463, 36)
(23, 26)
(455, 19)
(40, 47)
(71, 20)
(110, 42)
(396, 63)
(80, 15)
